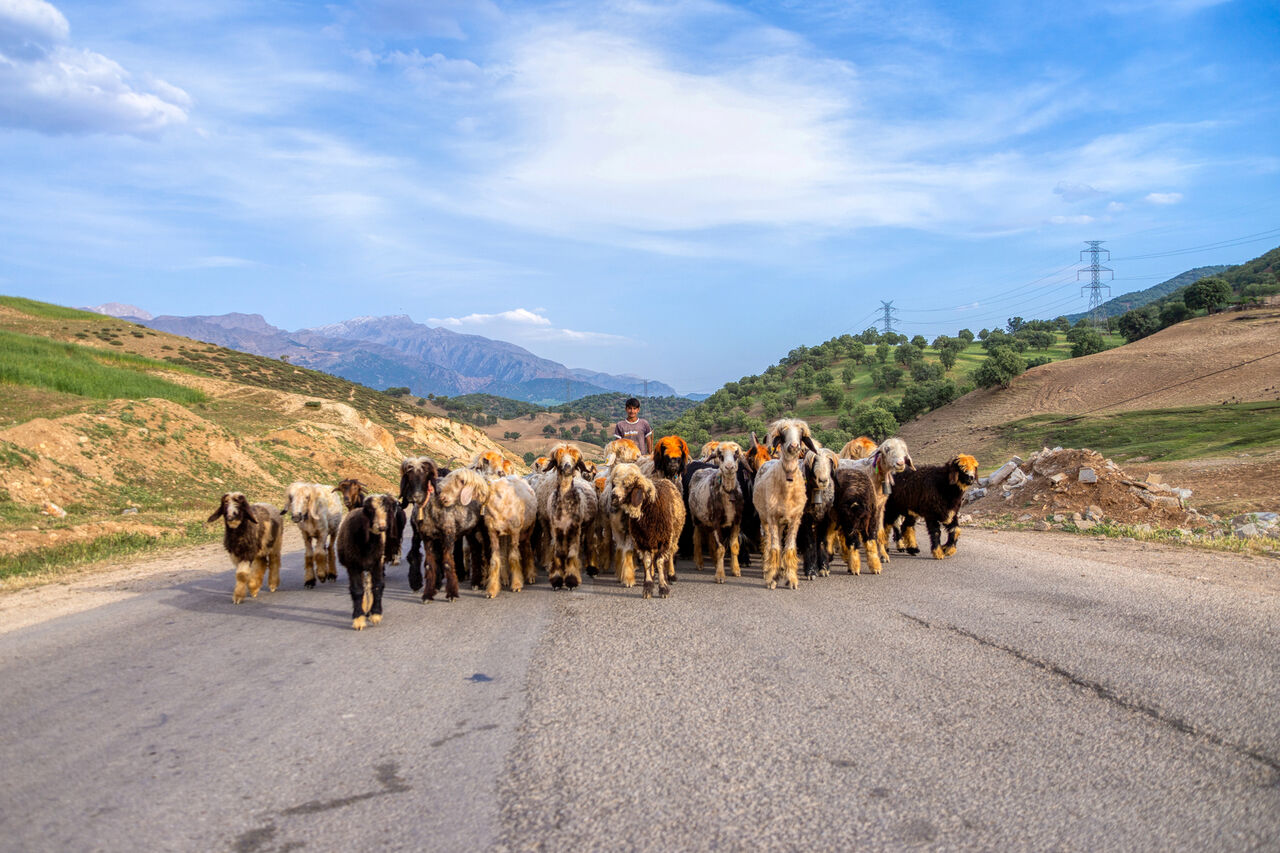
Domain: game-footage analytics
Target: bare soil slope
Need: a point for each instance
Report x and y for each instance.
(1225, 358)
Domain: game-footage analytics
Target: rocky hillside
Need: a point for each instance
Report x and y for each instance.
(128, 430)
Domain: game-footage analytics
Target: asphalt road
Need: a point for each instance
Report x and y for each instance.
(1006, 699)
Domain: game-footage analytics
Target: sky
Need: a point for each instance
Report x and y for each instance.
(680, 190)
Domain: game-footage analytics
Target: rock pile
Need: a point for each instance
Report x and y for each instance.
(1081, 486)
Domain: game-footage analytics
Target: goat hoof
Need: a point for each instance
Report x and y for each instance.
(311, 584)
(648, 590)
(358, 623)
(719, 580)
(592, 571)
(913, 551)
(771, 585)
(375, 619)
(664, 591)
(570, 582)
(556, 583)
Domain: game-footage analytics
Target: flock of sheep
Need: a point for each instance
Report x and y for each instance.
(782, 497)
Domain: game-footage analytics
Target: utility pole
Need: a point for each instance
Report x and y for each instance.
(646, 389)
(1095, 285)
(566, 392)
(889, 311)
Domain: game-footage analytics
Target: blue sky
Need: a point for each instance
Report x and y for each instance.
(681, 190)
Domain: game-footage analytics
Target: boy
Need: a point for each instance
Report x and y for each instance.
(635, 428)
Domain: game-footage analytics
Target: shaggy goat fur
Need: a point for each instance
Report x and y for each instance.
(253, 536)
(716, 505)
(360, 549)
(395, 529)
(858, 448)
(492, 464)
(509, 515)
(855, 516)
(418, 478)
(779, 497)
(317, 510)
(820, 491)
(933, 493)
(567, 509)
(451, 515)
(670, 456)
(621, 450)
(889, 459)
(654, 514)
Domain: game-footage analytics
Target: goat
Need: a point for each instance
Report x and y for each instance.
(933, 493)
(820, 490)
(716, 504)
(855, 517)
(858, 448)
(670, 456)
(453, 514)
(567, 508)
(779, 497)
(492, 464)
(253, 536)
(510, 510)
(418, 477)
(352, 491)
(360, 549)
(654, 514)
(395, 530)
(621, 450)
(317, 510)
(890, 458)
(708, 448)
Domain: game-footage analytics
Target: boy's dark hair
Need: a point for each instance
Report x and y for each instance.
(632, 401)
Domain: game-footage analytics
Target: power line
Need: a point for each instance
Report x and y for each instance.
(889, 311)
(1095, 287)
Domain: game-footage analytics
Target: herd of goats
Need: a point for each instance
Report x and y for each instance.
(781, 497)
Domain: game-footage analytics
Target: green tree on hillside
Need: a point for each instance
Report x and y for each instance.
(1085, 341)
(1207, 293)
(882, 352)
(999, 368)
(874, 421)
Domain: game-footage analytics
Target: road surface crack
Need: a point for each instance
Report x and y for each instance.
(1106, 693)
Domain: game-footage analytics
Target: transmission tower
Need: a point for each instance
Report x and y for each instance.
(889, 311)
(1095, 285)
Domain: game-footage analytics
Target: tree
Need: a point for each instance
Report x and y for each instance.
(919, 342)
(397, 391)
(1087, 342)
(1015, 325)
(925, 372)
(832, 396)
(999, 368)
(947, 355)
(1207, 293)
(924, 397)
(529, 457)
(1174, 312)
(1060, 323)
(886, 376)
(824, 377)
(906, 354)
(874, 421)
(882, 352)
(966, 335)
(982, 335)
(848, 375)
(549, 431)
(858, 352)
(1139, 323)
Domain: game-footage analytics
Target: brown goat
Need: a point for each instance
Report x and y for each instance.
(655, 515)
(253, 536)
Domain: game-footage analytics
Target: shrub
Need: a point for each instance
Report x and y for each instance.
(999, 368)
(874, 421)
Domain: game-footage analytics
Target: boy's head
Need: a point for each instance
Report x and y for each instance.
(633, 408)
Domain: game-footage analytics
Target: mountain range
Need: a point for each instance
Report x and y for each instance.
(395, 351)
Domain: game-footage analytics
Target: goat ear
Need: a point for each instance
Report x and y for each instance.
(220, 511)
(465, 496)
(808, 442)
(636, 498)
(911, 464)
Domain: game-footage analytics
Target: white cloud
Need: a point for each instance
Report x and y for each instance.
(1076, 192)
(525, 326)
(52, 87)
(1163, 198)
(1082, 219)
(521, 316)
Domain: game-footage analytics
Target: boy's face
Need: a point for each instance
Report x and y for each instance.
(633, 412)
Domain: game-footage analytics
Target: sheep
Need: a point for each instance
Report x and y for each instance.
(890, 458)
(510, 510)
(716, 504)
(779, 497)
(567, 508)
(418, 477)
(654, 515)
(819, 473)
(317, 510)
(855, 517)
(360, 550)
(352, 491)
(858, 448)
(934, 493)
(453, 514)
(253, 536)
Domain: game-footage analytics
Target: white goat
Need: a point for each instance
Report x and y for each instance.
(890, 458)
(716, 505)
(317, 510)
(779, 497)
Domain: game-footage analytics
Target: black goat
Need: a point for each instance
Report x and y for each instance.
(933, 493)
(360, 550)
